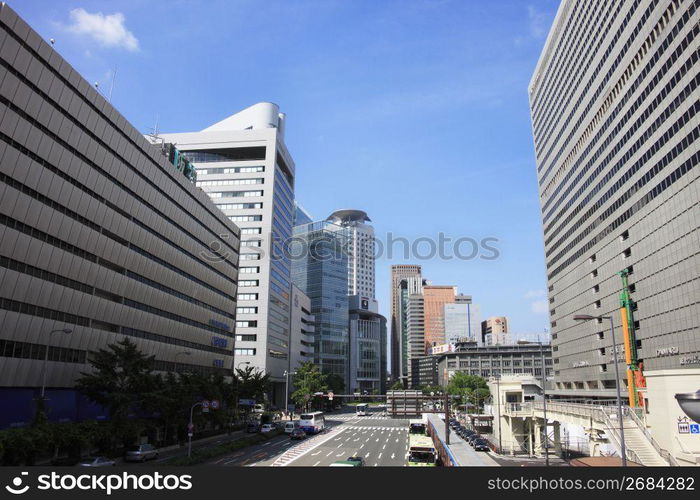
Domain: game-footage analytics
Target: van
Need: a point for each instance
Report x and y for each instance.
(259, 408)
(290, 426)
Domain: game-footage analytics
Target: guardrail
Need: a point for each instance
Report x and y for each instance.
(613, 433)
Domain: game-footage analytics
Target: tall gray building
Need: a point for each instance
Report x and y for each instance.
(406, 277)
(102, 237)
(360, 249)
(367, 346)
(244, 166)
(616, 130)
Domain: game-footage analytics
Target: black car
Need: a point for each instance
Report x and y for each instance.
(481, 445)
(473, 438)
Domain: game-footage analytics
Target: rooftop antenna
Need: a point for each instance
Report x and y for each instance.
(111, 86)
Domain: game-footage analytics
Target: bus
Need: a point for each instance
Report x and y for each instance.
(417, 427)
(421, 451)
(361, 409)
(313, 422)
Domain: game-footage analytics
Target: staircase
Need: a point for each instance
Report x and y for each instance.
(639, 447)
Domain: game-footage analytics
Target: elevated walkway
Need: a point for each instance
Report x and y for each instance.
(458, 453)
(601, 422)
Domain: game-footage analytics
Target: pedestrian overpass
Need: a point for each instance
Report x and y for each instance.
(524, 423)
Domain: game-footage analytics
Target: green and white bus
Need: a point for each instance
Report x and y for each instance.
(361, 409)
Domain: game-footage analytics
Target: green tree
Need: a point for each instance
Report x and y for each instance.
(122, 381)
(397, 386)
(307, 381)
(468, 389)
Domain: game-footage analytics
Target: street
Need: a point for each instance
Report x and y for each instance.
(380, 440)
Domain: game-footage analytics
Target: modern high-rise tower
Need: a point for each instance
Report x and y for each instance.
(412, 275)
(616, 134)
(360, 249)
(244, 166)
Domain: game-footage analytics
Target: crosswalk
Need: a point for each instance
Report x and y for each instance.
(307, 444)
(374, 428)
(349, 416)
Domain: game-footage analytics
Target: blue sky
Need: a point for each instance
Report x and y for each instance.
(414, 111)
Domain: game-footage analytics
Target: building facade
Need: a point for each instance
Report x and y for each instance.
(616, 143)
(367, 346)
(489, 361)
(361, 251)
(302, 330)
(320, 270)
(244, 166)
(424, 371)
(102, 238)
(415, 331)
(434, 299)
(412, 275)
(462, 320)
(495, 331)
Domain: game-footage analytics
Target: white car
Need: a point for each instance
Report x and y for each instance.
(267, 428)
(96, 462)
(290, 426)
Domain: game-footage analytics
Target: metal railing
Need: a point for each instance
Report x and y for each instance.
(642, 427)
(518, 409)
(612, 430)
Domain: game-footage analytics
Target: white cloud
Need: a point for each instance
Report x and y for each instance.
(535, 294)
(540, 307)
(537, 22)
(108, 30)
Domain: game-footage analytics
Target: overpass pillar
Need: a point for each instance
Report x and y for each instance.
(595, 439)
(557, 438)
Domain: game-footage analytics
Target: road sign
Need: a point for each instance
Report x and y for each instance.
(215, 404)
(205, 406)
(330, 396)
(695, 428)
(190, 427)
(189, 434)
(246, 402)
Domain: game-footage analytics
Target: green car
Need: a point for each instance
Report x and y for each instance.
(350, 462)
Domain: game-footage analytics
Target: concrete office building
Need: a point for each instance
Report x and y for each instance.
(320, 270)
(415, 333)
(494, 331)
(245, 168)
(462, 320)
(412, 275)
(434, 299)
(493, 360)
(301, 348)
(616, 131)
(361, 252)
(367, 346)
(100, 235)
(424, 371)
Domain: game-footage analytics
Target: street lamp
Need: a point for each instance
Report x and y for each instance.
(286, 390)
(46, 359)
(588, 317)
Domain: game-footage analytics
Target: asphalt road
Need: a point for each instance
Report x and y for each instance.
(380, 440)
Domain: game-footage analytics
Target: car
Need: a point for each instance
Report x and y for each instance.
(467, 433)
(481, 445)
(267, 428)
(96, 462)
(290, 426)
(473, 438)
(140, 453)
(297, 433)
(252, 427)
(357, 460)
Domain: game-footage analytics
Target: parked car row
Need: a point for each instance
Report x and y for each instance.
(470, 436)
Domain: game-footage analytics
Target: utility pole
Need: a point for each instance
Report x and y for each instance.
(544, 407)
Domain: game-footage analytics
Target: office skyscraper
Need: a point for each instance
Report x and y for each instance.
(434, 298)
(245, 168)
(360, 237)
(412, 275)
(103, 237)
(616, 132)
(320, 270)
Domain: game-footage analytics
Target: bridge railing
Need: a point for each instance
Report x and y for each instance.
(518, 409)
(613, 432)
(642, 427)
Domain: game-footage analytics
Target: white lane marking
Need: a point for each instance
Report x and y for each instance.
(367, 456)
(317, 463)
(329, 453)
(392, 456)
(376, 465)
(362, 445)
(339, 454)
(379, 457)
(384, 447)
(314, 454)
